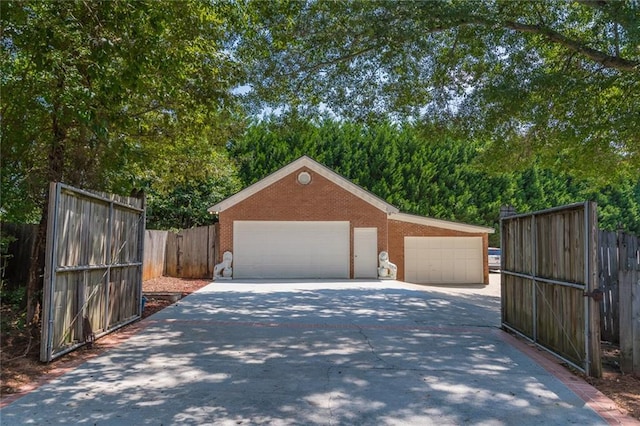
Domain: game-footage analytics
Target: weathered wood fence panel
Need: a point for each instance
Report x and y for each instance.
(629, 282)
(155, 249)
(191, 253)
(93, 271)
(517, 303)
(519, 236)
(608, 278)
(549, 263)
(619, 275)
(200, 252)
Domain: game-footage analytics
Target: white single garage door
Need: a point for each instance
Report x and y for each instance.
(443, 260)
(290, 249)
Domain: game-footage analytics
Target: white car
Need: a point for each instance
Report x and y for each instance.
(494, 259)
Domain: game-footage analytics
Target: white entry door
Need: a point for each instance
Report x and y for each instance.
(275, 249)
(443, 260)
(365, 252)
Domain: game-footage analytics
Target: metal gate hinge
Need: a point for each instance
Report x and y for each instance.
(597, 295)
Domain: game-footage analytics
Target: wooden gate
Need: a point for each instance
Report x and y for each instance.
(549, 278)
(93, 268)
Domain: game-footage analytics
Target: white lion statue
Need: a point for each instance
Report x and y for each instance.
(386, 269)
(224, 270)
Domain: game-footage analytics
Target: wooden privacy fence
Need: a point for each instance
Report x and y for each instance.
(93, 269)
(191, 253)
(203, 251)
(619, 274)
(548, 272)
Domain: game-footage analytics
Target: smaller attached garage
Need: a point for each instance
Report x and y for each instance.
(443, 260)
(433, 251)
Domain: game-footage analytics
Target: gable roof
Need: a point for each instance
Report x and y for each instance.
(439, 223)
(318, 168)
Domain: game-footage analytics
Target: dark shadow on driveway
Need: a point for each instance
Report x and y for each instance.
(371, 356)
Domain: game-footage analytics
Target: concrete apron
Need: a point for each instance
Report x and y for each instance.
(302, 352)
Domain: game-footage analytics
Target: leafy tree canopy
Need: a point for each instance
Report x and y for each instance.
(186, 204)
(547, 80)
(111, 95)
(425, 170)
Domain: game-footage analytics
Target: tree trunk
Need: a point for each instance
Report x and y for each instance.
(36, 270)
(55, 170)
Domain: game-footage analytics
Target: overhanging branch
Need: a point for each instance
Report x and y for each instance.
(597, 56)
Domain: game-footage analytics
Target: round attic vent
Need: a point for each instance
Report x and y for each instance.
(304, 178)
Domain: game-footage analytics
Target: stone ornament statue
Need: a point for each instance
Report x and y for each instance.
(224, 271)
(386, 269)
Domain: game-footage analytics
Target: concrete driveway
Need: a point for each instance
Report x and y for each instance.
(302, 353)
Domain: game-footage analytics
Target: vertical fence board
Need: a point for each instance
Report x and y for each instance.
(214, 248)
(592, 305)
(172, 266)
(114, 314)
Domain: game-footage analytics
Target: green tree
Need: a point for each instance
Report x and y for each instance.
(110, 95)
(619, 207)
(556, 82)
(425, 170)
(185, 204)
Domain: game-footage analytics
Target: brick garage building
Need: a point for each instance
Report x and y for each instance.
(306, 221)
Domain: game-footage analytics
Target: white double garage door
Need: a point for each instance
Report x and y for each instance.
(303, 250)
(321, 249)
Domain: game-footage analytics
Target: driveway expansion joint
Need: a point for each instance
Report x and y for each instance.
(371, 348)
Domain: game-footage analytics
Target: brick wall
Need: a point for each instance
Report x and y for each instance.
(320, 200)
(398, 230)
